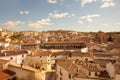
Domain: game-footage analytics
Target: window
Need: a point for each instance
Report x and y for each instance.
(22, 61)
(95, 73)
(43, 69)
(60, 78)
(69, 76)
(70, 55)
(66, 57)
(89, 73)
(61, 73)
(22, 55)
(77, 70)
(11, 58)
(86, 59)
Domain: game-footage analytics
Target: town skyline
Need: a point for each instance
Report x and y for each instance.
(44, 15)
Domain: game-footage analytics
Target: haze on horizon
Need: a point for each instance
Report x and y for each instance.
(78, 15)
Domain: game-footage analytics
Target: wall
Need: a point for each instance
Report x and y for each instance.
(25, 74)
(65, 73)
(85, 79)
(15, 58)
(39, 59)
(117, 77)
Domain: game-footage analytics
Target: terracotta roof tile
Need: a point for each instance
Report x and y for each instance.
(41, 53)
(14, 52)
(3, 75)
(24, 67)
(11, 73)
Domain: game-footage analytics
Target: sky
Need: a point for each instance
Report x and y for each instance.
(77, 15)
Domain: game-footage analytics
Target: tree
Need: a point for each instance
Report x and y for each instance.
(110, 39)
(16, 37)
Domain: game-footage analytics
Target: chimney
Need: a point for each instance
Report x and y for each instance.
(21, 66)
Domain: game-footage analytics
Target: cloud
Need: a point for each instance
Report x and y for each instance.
(60, 15)
(73, 15)
(107, 3)
(55, 1)
(86, 2)
(24, 12)
(104, 24)
(81, 22)
(40, 23)
(118, 23)
(21, 12)
(89, 18)
(52, 1)
(11, 24)
(55, 11)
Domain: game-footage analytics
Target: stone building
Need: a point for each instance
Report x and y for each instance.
(15, 56)
(101, 37)
(63, 45)
(77, 70)
(30, 43)
(7, 75)
(25, 72)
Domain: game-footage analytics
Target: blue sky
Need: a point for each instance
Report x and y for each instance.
(43, 15)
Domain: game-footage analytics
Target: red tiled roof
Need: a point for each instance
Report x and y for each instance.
(11, 73)
(64, 42)
(24, 67)
(3, 61)
(14, 52)
(41, 53)
(3, 75)
(30, 43)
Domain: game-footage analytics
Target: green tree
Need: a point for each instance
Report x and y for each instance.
(110, 39)
(16, 36)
